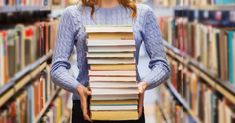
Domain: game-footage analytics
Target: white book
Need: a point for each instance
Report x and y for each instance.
(111, 61)
(115, 97)
(113, 108)
(110, 43)
(113, 85)
(102, 91)
(111, 49)
(110, 55)
(108, 29)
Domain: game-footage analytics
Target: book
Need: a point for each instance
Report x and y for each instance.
(105, 49)
(58, 111)
(114, 115)
(24, 3)
(231, 59)
(115, 97)
(1, 60)
(114, 102)
(111, 61)
(28, 103)
(109, 32)
(112, 79)
(233, 56)
(110, 55)
(102, 91)
(204, 102)
(119, 67)
(206, 42)
(112, 73)
(96, 42)
(23, 44)
(113, 85)
(113, 108)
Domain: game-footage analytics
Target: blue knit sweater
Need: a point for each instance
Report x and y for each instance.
(71, 33)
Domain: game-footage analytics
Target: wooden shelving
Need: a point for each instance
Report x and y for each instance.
(14, 9)
(164, 114)
(223, 87)
(228, 7)
(22, 78)
(179, 98)
(37, 119)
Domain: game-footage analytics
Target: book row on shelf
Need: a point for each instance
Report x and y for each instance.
(202, 3)
(58, 110)
(30, 103)
(23, 44)
(28, 94)
(35, 3)
(207, 39)
(171, 110)
(208, 42)
(203, 101)
(11, 3)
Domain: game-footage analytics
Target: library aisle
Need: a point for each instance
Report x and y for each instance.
(198, 38)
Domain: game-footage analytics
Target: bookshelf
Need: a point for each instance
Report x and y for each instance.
(163, 113)
(224, 88)
(206, 8)
(7, 10)
(27, 81)
(18, 85)
(181, 101)
(22, 78)
(37, 119)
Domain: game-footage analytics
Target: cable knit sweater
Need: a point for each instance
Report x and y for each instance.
(71, 33)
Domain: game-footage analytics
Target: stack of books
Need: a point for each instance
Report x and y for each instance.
(112, 73)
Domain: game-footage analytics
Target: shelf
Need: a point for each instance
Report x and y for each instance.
(57, 12)
(22, 78)
(228, 7)
(223, 87)
(14, 9)
(37, 119)
(216, 7)
(164, 114)
(182, 101)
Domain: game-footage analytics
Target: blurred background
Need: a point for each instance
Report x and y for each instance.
(199, 40)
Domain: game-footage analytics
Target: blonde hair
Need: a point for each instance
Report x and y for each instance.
(130, 4)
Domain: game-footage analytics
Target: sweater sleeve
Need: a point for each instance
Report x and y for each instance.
(63, 49)
(160, 69)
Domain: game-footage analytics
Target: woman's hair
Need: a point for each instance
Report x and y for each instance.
(130, 4)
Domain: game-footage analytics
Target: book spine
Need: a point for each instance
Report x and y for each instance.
(230, 54)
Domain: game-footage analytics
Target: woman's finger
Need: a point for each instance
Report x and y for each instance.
(87, 118)
(89, 93)
(140, 111)
(141, 103)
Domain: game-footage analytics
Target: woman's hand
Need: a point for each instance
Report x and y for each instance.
(84, 93)
(142, 87)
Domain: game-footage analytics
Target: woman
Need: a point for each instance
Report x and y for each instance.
(105, 12)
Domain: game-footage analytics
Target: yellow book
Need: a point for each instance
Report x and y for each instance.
(105, 36)
(114, 115)
(113, 67)
(110, 32)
